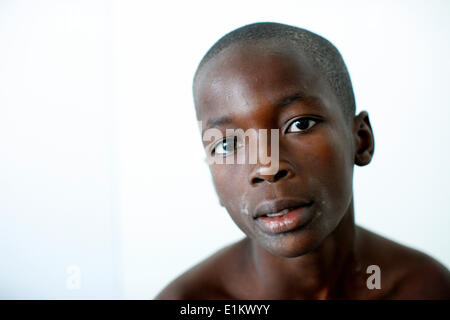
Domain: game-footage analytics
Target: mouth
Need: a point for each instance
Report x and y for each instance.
(277, 214)
(283, 215)
(278, 208)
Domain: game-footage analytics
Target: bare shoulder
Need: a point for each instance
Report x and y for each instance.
(207, 279)
(408, 273)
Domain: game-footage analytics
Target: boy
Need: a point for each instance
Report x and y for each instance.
(302, 242)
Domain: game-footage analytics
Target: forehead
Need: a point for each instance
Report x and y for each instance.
(243, 78)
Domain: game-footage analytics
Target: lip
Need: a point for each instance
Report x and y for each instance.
(269, 207)
(299, 214)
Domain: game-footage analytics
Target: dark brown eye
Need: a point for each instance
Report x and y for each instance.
(301, 124)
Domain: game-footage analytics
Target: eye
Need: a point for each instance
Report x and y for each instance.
(301, 124)
(225, 146)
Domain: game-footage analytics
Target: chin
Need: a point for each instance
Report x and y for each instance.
(292, 244)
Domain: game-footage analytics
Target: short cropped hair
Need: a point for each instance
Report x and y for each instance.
(323, 54)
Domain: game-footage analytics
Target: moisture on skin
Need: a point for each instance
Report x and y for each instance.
(254, 86)
(244, 205)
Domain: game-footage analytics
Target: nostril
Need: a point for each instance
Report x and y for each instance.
(280, 174)
(257, 180)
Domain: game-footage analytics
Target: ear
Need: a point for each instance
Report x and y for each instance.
(364, 139)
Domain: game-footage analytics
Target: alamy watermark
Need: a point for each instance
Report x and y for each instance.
(374, 281)
(255, 141)
(73, 280)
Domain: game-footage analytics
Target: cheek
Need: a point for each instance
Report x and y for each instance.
(328, 169)
(232, 193)
(229, 187)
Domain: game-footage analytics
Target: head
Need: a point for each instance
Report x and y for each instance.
(274, 76)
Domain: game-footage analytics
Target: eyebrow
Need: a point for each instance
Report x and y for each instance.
(218, 122)
(287, 100)
(283, 102)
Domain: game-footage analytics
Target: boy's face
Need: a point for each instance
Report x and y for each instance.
(269, 87)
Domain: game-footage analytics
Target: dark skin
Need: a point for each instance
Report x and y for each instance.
(267, 85)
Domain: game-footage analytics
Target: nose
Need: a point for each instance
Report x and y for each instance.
(260, 175)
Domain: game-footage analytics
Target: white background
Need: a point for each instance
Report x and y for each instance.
(101, 161)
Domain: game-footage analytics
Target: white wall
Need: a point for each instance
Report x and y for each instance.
(57, 189)
(101, 162)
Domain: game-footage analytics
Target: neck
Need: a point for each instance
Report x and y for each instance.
(314, 275)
